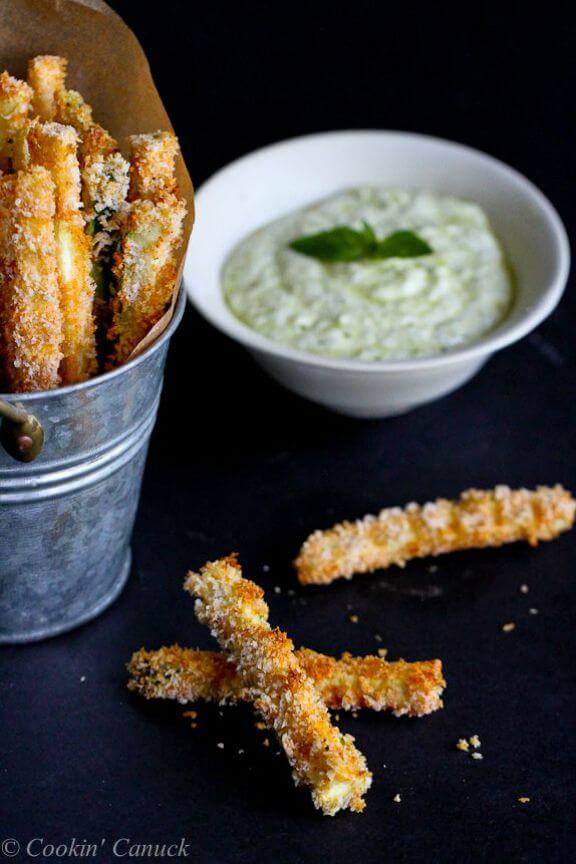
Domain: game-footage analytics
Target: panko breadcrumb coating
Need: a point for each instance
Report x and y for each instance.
(150, 233)
(153, 164)
(15, 101)
(30, 311)
(395, 535)
(350, 683)
(320, 755)
(46, 76)
(54, 147)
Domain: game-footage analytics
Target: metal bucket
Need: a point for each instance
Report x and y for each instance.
(66, 519)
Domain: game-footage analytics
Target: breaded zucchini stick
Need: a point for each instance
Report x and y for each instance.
(320, 755)
(145, 270)
(31, 317)
(54, 147)
(15, 101)
(46, 76)
(394, 536)
(152, 164)
(350, 683)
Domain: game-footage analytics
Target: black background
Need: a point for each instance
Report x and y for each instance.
(258, 469)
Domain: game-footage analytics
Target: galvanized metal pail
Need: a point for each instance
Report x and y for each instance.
(66, 518)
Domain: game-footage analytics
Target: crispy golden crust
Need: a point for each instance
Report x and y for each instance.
(320, 755)
(31, 318)
(145, 270)
(152, 164)
(476, 520)
(46, 76)
(54, 147)
(72, 110)
(350, 683)
(95, 142)
(15, 101)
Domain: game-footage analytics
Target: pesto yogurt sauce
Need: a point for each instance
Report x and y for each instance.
(394, 308)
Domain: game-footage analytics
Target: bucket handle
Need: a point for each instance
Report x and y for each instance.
(21, 434)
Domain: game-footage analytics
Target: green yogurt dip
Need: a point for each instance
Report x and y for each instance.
(389, 309)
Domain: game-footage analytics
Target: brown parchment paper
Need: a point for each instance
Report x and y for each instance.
(107, 65)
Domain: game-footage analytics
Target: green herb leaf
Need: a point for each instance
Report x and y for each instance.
(347, 244)
(340, 244)
(402, 244)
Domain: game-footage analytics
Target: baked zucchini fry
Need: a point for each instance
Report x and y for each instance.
(145, 270)
(478, 519)
(153, 164)
(350, 683)
(31, 317)
(15, 101)
(46, 76)
(320, 755)
(54, 147)
(70, 109)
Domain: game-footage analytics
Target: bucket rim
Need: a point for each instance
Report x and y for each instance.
(114, 373)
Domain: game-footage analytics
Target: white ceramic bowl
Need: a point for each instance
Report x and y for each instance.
(281, 178)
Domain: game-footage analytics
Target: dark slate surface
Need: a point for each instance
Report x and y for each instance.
(85, 759)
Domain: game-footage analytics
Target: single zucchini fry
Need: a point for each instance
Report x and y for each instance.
(72, 110)
(145, 270)
(321, 757)
(348, 683)
(31, 316)
(152, 164)
(15, 101)
(54, 147)
(478, 519)
(46, 76)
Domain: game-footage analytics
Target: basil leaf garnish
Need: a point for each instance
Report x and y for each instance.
(348, 244)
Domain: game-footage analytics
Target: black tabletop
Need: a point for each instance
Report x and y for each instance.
(83, 758)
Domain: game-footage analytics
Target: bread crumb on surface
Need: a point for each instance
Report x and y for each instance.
(277, 589)
(524, 800)
(260, 725)
(82, 679)
(354, 619)
(266, 742)
(462, 744)
(533, 611)
(477, 756)
(377, 637)
(475, 741)
(397, 799)
(507, 628)
(220, 745)
(524, 589)
(382, 652)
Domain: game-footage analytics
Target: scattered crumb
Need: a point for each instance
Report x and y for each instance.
(337, 717)
(533, 611)
(82, 678)
(477, 756)
(266, 742)
(291, 592)
(354, 619)
(475, 741)
(220, 745)
(355, 715)
(524, 589)
(265, 568)
(433, 568)
(507, 628)
(524, 800)
(193, 725)
(240, 751)
(260, 725)
(462, 744)
(377, 637)
(382, 652)
(220, 713)
(397, 799)
(192, 714)
(277, 589)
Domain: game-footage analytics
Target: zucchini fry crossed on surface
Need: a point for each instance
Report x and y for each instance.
(478, 519)
(15, 102)
(348, 683)
(30, 311)
(54, 147)
(321, 757)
